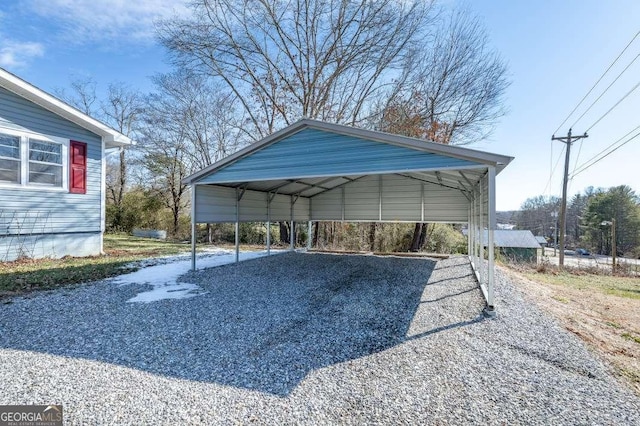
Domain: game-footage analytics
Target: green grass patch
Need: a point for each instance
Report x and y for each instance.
(628, 336)
(613, 324)
(560, 299)
(27, 275)
(626, 287)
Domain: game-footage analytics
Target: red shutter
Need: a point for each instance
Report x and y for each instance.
(78, 168)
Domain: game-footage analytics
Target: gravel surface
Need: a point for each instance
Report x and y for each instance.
(305, 338)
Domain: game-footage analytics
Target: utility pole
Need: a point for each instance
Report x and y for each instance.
(613, 244)
(555, 232)
(563, 207)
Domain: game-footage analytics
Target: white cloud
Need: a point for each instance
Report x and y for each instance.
(15, 54)
(107, 20)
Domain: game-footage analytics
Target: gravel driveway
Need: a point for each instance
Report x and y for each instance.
(305, 338)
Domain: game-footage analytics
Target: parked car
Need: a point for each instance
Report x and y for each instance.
(583, 252)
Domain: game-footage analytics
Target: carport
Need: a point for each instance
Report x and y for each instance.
(315, 171)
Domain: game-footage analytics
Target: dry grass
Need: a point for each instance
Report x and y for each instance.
(121, 253)
(26, 275)
(603, 310)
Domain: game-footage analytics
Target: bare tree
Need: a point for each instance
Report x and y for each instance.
(164, 146)
(121, 110)
(539, 215)
(205, 111)
(451, 90)
(353, 62)
(188, 124)
(82, 95)
(282, 60)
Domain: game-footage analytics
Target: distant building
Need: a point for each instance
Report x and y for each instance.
(542, 240)
(514, 245)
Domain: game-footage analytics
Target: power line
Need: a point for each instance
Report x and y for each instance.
(553, 170)
(614, 106)
(609, 153)
(609, 146)
(597, 82)
(606, 89)
(575, 165)
(603, 154)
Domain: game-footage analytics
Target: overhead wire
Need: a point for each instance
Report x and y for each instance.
(609, 153)
(553, 171)
(606, 90)
(614, 106)
(597, 82)
(575, 165)
(603, 153)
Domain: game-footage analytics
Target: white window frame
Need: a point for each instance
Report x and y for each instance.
(18, 160)
(24, 161)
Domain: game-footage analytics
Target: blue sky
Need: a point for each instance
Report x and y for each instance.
(555, 50)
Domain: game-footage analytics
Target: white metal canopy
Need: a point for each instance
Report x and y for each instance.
(317, 171)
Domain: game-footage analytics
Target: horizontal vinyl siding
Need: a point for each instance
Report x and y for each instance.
(327, 206)
(445, 205)
(59, 210)
(361, 199)
(216, 204)
(311, 152)
(301, 210)
(401, 201)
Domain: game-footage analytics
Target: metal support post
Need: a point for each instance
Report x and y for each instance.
(468, 230)
(309, 238)
(380, 197)
(193, 227)
(422, 201)
(292, 231)
(472, 230)
(614, 247)
(491, 211)
(481, 223)
(268, 223)
(477, 237)
(237, 228)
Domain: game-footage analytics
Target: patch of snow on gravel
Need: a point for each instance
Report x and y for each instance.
(163, 277)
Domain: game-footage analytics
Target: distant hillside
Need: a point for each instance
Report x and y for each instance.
(507, 216)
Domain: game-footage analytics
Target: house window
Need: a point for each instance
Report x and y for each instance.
(29, 160)
(45, 163)
(10, 159)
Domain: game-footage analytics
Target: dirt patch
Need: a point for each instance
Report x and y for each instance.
(608, 323)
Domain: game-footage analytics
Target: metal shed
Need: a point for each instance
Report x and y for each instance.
(516, 245)
(316, 171)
